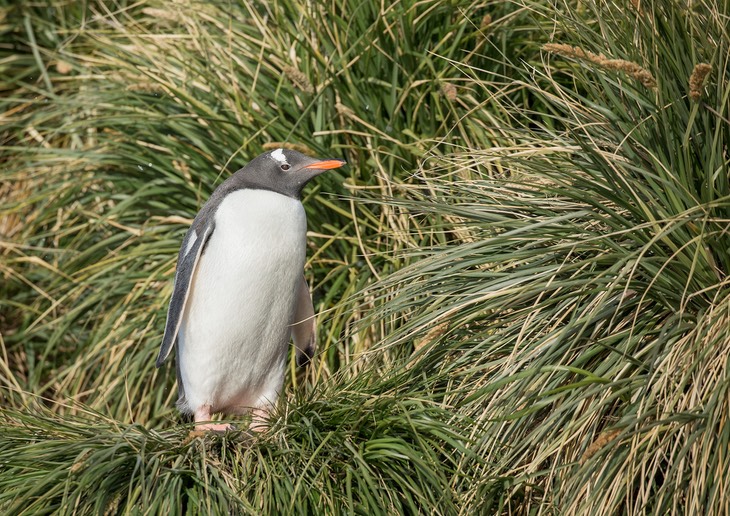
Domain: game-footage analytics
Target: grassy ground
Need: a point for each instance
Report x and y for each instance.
(521, 276)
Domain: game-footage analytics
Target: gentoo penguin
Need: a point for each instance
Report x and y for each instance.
(240, 294)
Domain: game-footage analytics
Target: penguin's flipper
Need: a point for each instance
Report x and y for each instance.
(303, 324)
(187, 261)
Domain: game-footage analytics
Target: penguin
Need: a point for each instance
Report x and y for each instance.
(239, 293)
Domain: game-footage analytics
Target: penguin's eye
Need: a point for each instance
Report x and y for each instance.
(285, 166)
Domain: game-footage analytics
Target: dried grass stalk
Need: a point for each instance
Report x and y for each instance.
(619, 65)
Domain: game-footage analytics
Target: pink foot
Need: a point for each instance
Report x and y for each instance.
(213, 427)
(203, 414)
(201, 430)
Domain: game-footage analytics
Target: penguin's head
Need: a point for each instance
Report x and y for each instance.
(284, 171)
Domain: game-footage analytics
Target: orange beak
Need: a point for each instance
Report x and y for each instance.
(326, 164)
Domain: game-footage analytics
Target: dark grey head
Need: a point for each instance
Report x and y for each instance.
(283, 171)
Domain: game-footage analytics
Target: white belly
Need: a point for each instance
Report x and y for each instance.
(236, 327)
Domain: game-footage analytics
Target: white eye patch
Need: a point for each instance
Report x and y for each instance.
(278, 155)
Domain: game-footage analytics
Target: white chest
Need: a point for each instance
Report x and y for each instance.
(236, 325)
(254, 223)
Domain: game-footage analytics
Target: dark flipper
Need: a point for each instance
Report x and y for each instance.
(187, 261)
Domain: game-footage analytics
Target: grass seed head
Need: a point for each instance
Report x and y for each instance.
(699, 74)
(298, 79)
(619, 65)
(486, 22)
(448, 90)
(602, 440)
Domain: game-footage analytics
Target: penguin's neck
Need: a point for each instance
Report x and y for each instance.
(262, 221)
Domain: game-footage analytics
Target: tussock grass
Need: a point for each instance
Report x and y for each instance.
(580, 297)
(522, 279)
(317, 457)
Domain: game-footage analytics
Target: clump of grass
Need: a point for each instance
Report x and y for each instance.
(586, 311)
(360, 451)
